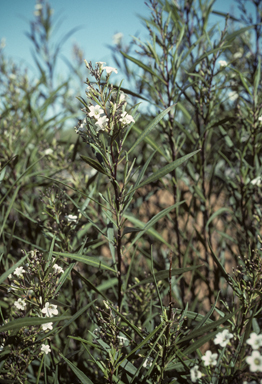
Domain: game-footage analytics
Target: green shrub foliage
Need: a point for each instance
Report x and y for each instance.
(131, 210)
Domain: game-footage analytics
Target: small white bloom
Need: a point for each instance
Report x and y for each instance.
(123, 340)
(45, 348)
(117, 38)
(2, 42)
(100, 63)
(71, 218)
(255, 340)
(110, 69)
(233, 95)
(122, 97)
(102, 123)
(38, 6)
(222, 63)
(237, 55)
(19, 271)
(58, 269)
(126, 119)
(222, 338)
(50, 310)
(195, 374)
(47, 326)
(95, 111)
(148, 362)
(255, 362)
(209, 358)
(20, 304)
(48, 151)
(260, 118)
(256, 181)
(2, 347)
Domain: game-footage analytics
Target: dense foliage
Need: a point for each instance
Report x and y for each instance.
(131, 213)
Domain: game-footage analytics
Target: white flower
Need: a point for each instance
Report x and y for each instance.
(58, 269)
(237, 55)
(2, 347)
(255, 340)
(71, 218)
(110, 69)
(233, 95)
(209, 358)
(95, 111)
(100, 63)
(50, 310)
(195, 374)
(222, 63)
(19, 271)
(38, 6)
(48, 151)
(47, 326)
(117, 38)
(222, 338)
(20, 304)
(255, 361)
(123, 340)
(102, 123)
(148, 362)
(256, 181)
(2, 42)
(45, 348)
(126, 119)
(122, 97)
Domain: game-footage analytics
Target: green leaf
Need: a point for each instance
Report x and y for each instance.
(215, 214)
(27, 321)
(220, 266)
(10, 205)
(151, 142)
(86, 260)
(257, 79)
(154, 220)
(163, 171)
(206, 328)
(130, 229)
(149, 128)
(11, 270)
(162, 275)
(81, 376)
(95, 164)
(145, 67)
(141, 225)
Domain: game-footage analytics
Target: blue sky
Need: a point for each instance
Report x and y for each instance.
(100, 20)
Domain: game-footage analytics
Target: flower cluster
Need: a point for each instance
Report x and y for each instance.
(255, 360)
(105, 110)
(210, 359)
(27, 284)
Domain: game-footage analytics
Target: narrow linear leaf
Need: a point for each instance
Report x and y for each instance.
(86, 260)
(95, 164)
(215, 214)
(149, 128)
(165, 170)
(11, 270)
(155, 219)
(27, 321)
(142, 65)
(81, 376)
(162, 275)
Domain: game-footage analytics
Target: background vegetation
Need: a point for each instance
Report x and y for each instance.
(156, 223)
